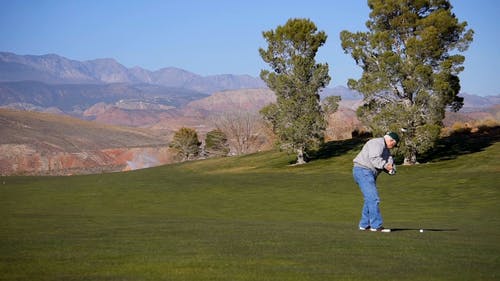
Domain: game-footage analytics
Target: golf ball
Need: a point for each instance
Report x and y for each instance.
(421, 230)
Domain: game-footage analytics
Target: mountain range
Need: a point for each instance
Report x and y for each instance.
(102, 88)
(55, 69)
(71, 86)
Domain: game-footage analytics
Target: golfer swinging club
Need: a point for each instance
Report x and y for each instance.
(373, 159)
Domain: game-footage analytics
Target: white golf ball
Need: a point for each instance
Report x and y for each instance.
(421, 230)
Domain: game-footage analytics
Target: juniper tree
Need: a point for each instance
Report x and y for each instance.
(186, 143)
(410, 61)
(216, 143)
(296, 79)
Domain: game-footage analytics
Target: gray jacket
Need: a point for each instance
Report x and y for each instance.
(374, 155)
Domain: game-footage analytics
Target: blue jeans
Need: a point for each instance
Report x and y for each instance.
(366, 179)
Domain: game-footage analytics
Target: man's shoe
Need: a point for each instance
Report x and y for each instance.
(364, 228)
(381, 229)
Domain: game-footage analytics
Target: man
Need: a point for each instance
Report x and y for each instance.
(374, 158)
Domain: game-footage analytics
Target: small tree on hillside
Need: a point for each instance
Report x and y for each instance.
(241, 128)
(186, 143)
(216, 143)
(410, 62)
(296, 117)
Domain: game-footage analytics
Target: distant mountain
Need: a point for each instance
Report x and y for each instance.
(472, 102)
(55, 69)
(47, 68)
(73, 99)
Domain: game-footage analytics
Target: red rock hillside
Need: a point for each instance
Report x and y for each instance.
(35, 143)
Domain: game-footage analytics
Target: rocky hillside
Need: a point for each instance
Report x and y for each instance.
(200, 114)
(250, 100)
(41, 143)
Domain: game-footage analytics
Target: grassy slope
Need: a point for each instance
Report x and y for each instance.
(254, 218)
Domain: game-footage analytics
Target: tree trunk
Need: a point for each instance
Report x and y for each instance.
(411, 158)
(300, 156)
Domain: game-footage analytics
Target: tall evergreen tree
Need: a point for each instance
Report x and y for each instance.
(296, 79)
(410, 60)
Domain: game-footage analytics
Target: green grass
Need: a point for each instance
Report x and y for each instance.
(255, 218)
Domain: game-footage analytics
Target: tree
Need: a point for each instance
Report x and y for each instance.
(186, 143)
(296, 117)
(241, 129)
(410, 61)
(331, 104)
(216, 143)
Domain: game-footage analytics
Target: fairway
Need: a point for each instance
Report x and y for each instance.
(254, 218)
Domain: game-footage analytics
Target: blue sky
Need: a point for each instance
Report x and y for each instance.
(218, 36)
